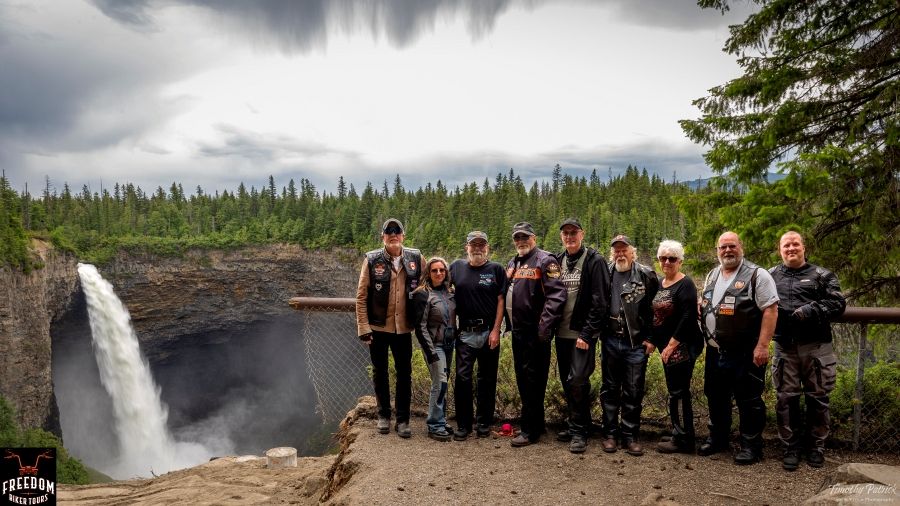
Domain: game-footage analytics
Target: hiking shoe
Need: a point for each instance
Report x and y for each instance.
(403, 430)
(710, 447)
(578, 444)
(461, 434)
(791, 459)
(746, 457)
(633, 448)
(815, 458)
(383, 425)
(609, 445)
(483, 431)
(671, 446)
(442, 435)
(521, 440)
(564, 436)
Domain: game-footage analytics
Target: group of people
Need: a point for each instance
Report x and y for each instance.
(578, 297)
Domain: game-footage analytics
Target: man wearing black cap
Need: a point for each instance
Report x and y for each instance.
(534, 303)
(480, 286)
(586, 277)
(626, 346)
(384, 320)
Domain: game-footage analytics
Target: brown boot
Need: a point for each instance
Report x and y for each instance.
(609, 445)
(633, 448)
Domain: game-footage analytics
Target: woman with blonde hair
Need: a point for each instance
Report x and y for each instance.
(676, 333)
(435, 328)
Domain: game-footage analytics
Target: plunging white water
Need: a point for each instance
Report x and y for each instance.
(146, 446)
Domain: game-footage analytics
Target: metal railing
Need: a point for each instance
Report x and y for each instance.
(864, 407)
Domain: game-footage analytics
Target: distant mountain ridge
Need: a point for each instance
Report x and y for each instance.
(697, 184)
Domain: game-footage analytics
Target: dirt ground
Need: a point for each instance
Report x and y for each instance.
(384, 469)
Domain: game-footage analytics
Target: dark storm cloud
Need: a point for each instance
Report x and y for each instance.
(60, 92)
(302, 25)
(260, 147)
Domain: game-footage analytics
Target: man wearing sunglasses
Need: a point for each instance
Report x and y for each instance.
(534, 303)
(384, 320)
(738, 311)
(586, 278)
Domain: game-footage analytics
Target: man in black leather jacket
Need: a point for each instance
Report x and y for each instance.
(626, 346)
(534, 303)
(586, 276)
(809, 297)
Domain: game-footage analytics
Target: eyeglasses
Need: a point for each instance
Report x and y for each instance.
(671, 260)
(393, 230)
(478, 244)
(726, 247)
(521, 237)
(438, 270)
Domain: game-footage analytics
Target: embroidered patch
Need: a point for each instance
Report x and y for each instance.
(379, 270)
(553, 270)
(527, 273)
(704, 302)
(378, 286)
(413, 266)
(726, 309)
(739, 284)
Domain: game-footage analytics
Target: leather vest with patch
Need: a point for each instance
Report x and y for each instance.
(738, 318)
(380, 282)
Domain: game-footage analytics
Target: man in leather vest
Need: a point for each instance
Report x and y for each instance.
(384, 320)
(586, 276)
(738, 311)
(626, 346)
(534, 303)
(809, 298)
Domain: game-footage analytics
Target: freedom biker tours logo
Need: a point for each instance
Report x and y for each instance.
(28, 475)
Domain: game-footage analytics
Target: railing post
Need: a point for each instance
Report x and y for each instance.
(858, 396)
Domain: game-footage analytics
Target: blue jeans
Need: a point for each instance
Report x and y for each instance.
(437, 401)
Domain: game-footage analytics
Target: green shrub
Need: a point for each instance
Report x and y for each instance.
(880, 401)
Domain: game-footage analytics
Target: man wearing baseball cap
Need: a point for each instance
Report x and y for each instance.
(384, 320)
(627, 343)
(480, 287)
(534, 303)
(586, 277)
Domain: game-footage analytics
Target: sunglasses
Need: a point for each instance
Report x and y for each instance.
(393, 230)
(521, 237)
(438, 270)
(671, 260)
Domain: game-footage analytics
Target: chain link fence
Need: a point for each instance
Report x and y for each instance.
(865, 404)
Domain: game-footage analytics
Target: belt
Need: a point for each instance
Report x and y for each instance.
(478, 325)
(616, 325)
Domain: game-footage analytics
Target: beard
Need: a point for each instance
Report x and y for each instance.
(623, 265)
(477, 258)
(730, 262)
(523, 250)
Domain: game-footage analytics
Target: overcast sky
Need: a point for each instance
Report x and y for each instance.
(215, 92)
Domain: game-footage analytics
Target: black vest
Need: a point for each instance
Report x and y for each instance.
(380, 282)
(738, 318)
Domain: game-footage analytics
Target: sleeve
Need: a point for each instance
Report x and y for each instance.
(832, 302)
(597, 314)
(362, 298)
(652, 284)
(554, 297)
(688, 328)
(766, 293)
(420, 326)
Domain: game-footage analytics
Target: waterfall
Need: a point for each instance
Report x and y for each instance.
(145, 444)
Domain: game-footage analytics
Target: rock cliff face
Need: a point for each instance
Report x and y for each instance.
(167, 297)
(28, 305)
(207, 291)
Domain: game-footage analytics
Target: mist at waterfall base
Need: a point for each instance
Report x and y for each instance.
(234, 391)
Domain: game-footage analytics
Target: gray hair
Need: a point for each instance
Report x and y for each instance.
(612, 253)
(670, 246)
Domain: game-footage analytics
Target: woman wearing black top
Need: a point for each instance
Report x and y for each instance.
(676, 333)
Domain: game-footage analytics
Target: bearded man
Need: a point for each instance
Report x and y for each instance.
(534, 305)
(480, 287)
(626, 346)
(738, 311)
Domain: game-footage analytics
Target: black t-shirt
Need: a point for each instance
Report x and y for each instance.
(618, 281)
(477, 289)
(675, 313)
